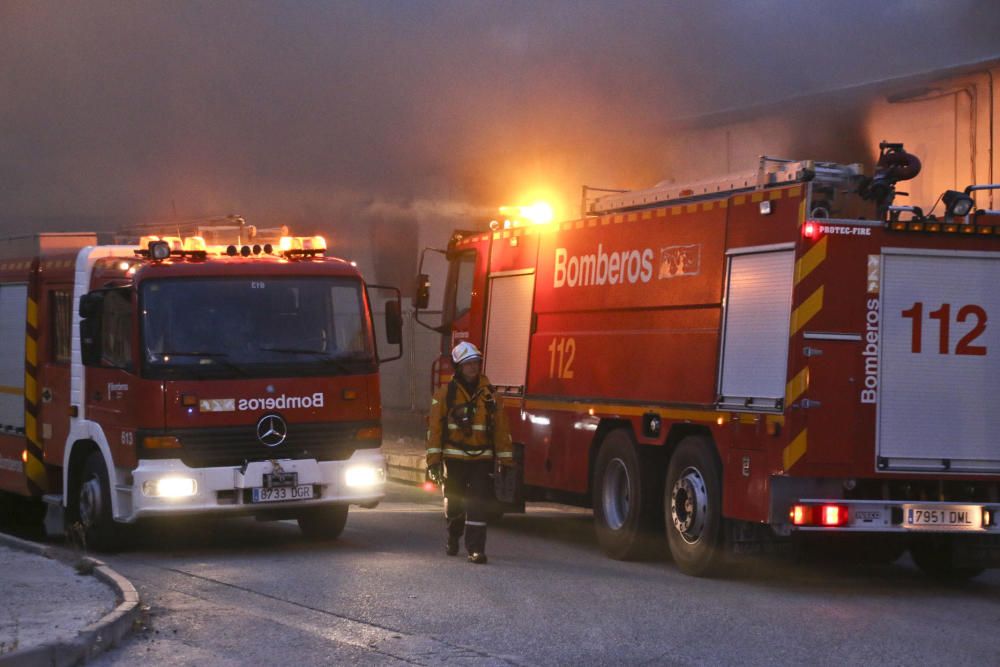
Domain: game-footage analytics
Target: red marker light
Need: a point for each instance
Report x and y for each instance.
(834, 515)
(810, 230)
(430, 487)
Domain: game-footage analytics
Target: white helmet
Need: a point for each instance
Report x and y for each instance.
(465, 351)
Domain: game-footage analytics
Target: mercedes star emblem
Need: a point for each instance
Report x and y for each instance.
(272, 430)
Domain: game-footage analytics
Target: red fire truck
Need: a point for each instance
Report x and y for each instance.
(174, 377)
(750, 359)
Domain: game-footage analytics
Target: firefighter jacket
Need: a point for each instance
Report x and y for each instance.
(468, 428)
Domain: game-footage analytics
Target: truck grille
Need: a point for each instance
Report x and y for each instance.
(201, 448)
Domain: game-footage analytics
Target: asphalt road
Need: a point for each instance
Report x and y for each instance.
(247, 593)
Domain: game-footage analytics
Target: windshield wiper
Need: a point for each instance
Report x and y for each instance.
(316, 354)
(218, 357)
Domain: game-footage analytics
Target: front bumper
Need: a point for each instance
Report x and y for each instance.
(227, 489)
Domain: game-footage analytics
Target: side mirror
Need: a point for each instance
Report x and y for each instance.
(393, 323)
(423, 298)
(91, 310)
(393, 320)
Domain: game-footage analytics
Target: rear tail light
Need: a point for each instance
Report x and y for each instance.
(834, 515)
(826, 516)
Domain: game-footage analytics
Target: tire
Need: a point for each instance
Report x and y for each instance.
(692, 505)
(323, 523)
(91, 509)
(624, 498)
(935, 556)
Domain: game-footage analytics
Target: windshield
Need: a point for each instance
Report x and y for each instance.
(261, 327)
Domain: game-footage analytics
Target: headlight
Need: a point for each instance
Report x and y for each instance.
(170, 487)
(359, 476)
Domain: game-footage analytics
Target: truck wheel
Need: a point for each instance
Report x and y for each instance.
(623, 495)
(935, 556)
(323, 523)
(92, 507)
(693, 507)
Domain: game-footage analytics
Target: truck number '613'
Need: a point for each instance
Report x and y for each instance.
(562, 352)
(977, 315)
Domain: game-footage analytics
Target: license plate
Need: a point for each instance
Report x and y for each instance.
(282, 493)
(946, 517)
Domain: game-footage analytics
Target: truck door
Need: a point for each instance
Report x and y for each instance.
(508, 334)
(758, 308)
(935, 377)
(56, 318)
(111, 387)
(508, 329)
(13, 306)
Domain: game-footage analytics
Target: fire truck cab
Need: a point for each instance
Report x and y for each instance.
(173, 377)
(740, 361)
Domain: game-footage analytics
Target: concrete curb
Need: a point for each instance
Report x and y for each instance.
(93, 639)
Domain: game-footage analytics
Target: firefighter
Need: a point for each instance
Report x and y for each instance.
(468, 436)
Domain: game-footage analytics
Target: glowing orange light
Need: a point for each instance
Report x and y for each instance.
(289, 243)
(314, 243)
(24, 456)
(538, 213)
(194, 244)
(798, 515)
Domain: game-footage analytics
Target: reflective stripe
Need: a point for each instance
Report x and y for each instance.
(433, 450)
(434, 401)
(505, 455)
(464, 454)
(475, 523)
(475, 427)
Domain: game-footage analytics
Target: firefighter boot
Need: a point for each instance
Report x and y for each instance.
(452, 547)
(475, 541)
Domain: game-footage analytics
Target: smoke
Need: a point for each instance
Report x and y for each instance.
(370, 120)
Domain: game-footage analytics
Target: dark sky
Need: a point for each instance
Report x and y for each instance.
(316, 111)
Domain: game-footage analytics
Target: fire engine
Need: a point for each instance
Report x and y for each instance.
(171, 376)
(747, 361)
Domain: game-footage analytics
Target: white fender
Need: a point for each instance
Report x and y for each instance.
(80, 427)
(84, 429)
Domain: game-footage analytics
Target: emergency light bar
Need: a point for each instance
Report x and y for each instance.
(159, 248)
(307, 246)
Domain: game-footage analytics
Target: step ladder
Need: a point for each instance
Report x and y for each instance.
(770, 172)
